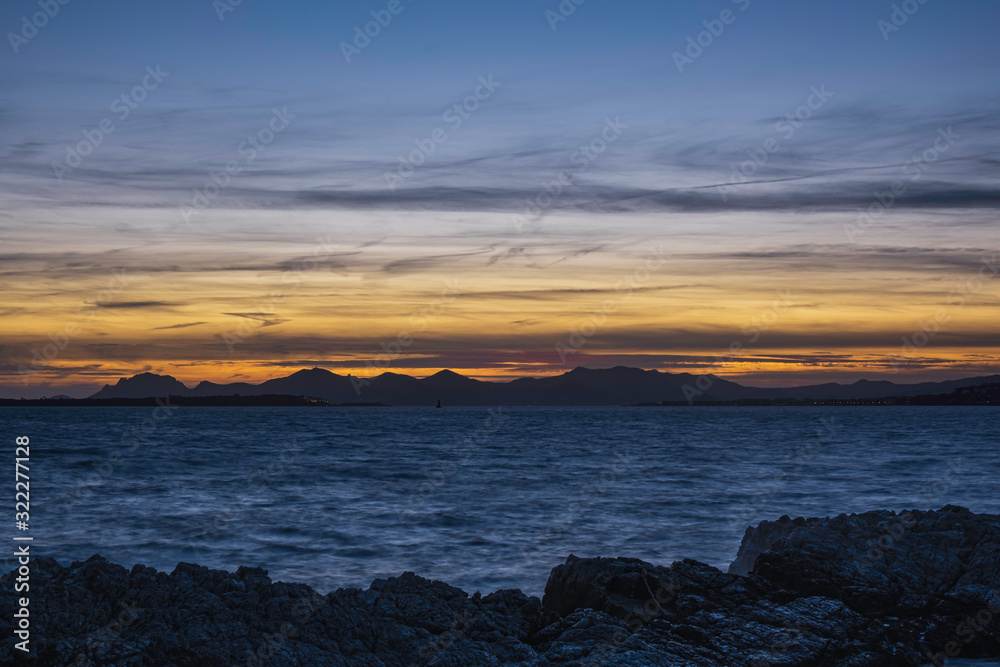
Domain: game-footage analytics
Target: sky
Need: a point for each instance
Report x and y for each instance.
(779, 193)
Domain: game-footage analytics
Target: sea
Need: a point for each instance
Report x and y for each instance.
(482, 498)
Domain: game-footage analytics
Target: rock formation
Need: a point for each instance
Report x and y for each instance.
(877, 588)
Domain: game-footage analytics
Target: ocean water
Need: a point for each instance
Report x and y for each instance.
(482, 499)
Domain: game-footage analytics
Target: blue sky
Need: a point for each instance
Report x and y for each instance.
(606, 59)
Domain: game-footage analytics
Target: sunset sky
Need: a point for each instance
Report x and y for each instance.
(607, 191)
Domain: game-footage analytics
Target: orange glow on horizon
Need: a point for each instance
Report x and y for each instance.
(251, 311)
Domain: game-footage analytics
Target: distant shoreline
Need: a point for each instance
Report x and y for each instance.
(266, 401)
(278, 401)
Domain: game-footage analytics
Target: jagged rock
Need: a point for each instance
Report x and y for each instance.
(801, 593)
(694, 611)
(926, 572)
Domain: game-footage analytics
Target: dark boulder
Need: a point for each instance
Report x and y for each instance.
(933, 576)
(703, 616)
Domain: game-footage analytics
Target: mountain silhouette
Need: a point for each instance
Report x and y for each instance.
(144, 385)
(580, 386)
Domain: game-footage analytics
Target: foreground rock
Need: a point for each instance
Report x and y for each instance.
(801, 592)
(934, 577)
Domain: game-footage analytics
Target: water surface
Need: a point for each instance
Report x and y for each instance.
(481, 499)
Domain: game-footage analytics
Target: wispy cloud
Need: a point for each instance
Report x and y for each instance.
(178, 326)
(138, 305)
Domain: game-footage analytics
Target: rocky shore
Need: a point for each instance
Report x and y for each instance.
(873, 589)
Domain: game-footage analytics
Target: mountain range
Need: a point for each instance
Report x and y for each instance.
(580, 386)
